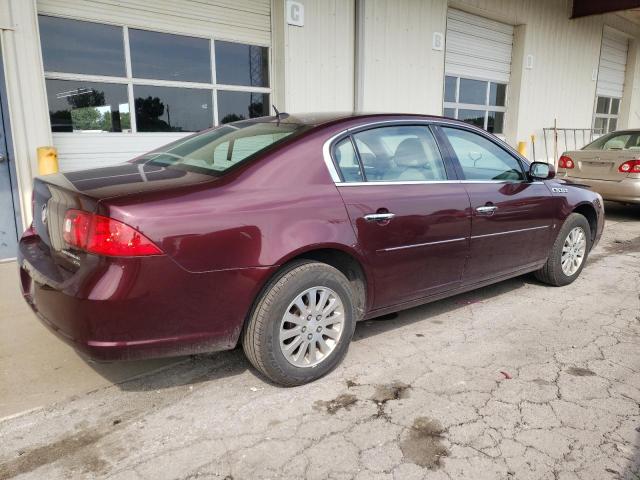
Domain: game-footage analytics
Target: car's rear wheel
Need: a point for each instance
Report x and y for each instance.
(301, 325)
(569, 252)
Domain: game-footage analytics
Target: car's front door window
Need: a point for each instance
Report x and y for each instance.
(481, 159)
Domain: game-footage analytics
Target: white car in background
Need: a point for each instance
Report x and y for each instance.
(610, 165)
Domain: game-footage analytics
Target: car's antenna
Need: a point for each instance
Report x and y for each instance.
(277, 114)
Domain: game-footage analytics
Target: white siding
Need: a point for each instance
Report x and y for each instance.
(477, 47)
(402, 73)
(319, 58)
(77, 151)
(613, 63)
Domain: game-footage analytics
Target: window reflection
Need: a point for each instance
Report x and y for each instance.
(234, 106)
(72, 46)
(239, 64)
(81, 50)
(474, 117)
(87, 106)
(169, 57)
(169, 109)
(472, 91)
(450, 84)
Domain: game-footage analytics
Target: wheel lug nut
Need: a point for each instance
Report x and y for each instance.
(319, 329)
(319, 317)
(309, 317)
(304, 329)
(310, 336)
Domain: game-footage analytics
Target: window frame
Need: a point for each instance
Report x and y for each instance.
(456, 105)
(607, 116)
(131, 81)
(336, 172)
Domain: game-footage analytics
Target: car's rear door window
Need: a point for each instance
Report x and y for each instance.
(481, 159)
(347, 161)
(403, 153)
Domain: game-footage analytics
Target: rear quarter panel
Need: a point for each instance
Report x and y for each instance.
(256, 216)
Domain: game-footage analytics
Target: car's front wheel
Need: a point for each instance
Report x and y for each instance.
(569, 252)
(301, 325)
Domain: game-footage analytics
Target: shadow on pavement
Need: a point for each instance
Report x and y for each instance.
(376, 326)
(621, 212)
(191, 370)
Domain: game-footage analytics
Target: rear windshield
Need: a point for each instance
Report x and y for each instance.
(220, 149)
(616, 141)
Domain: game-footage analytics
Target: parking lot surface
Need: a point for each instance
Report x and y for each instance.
(513, 381)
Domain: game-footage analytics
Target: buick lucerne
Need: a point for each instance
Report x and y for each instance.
(280, 233)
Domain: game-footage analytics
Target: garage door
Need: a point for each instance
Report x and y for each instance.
(123, 78)
(477, 47)
(613, 63)
(477, 70)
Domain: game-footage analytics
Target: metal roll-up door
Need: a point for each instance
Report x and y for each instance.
(613, 63)
(477, 47)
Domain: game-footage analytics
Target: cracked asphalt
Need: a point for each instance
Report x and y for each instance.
(513, 381)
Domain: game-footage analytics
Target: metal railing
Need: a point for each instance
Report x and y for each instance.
(558, 140)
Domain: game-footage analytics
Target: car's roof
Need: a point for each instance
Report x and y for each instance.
(315, 119)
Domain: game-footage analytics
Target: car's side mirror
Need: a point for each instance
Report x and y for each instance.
(541, 171)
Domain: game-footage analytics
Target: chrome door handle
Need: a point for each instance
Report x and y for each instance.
(2, 158)
(486, 210)
(379, 217)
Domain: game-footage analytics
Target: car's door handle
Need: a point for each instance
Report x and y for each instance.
(379, 217)
(486, 210)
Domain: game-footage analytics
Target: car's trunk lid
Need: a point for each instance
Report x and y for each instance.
(599, 164)
(54, 195)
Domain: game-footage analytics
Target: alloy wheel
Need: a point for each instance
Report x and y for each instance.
(311, 327)
(573, 251)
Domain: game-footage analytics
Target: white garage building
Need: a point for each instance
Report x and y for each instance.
(104, 80)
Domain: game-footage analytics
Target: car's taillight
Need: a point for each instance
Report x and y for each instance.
(631, 166)
(566, 162)
(105, 236)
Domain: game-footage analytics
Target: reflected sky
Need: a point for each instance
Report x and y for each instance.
(169, 57)
(81, 47)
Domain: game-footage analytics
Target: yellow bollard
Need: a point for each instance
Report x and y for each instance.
(47, 160)
(522, 148)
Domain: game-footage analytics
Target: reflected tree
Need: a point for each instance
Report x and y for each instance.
(148, 113)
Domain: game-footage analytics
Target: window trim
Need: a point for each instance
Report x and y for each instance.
(336, 174)
(131, 81)
(327, 149)
(486, 108)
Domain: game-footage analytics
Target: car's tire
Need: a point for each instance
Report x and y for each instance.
(262, 339)
(553, 271)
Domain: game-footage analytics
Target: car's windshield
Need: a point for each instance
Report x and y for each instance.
(616, 141)
(216, 151)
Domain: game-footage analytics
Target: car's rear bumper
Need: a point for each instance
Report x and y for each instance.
(627, 190)
(140, 307)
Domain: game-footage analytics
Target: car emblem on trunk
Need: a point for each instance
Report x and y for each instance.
(43, 213)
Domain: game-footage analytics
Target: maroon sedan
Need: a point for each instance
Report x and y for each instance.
(282, 232)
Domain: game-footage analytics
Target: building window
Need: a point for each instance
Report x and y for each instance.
(107, 78)
(605, 118)
(478, 102)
